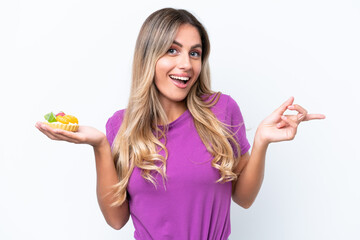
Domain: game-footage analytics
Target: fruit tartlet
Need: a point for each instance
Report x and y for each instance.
(62, 121)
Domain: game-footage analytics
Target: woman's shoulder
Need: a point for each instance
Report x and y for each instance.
(118, 114)
(114, 122)
(222, 101)
(224, 106)
(225, 100)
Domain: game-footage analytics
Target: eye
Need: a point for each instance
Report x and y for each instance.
(172, 51)
(195, 54)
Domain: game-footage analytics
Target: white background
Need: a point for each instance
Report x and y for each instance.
(76, 56)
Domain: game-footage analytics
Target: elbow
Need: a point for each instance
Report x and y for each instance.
(119, 224)
(246, 204)
(117, 217)
(116, 226)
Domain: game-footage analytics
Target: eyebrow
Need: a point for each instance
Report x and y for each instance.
(180, 45)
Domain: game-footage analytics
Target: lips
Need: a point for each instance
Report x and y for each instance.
(180, 81)
(179, 77)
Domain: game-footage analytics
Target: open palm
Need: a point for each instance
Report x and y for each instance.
(85, 134)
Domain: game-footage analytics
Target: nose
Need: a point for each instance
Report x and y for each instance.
(184, 62)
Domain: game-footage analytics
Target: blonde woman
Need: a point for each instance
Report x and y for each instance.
(178, 153)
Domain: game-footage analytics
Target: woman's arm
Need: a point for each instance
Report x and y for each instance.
(275, 128)
(251, 170)
(116, 217)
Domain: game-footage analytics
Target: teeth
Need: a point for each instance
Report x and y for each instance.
(180, 78)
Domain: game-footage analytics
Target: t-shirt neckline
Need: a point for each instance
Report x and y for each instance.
(182, 117)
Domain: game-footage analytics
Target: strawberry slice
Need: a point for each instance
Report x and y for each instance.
(60, 114)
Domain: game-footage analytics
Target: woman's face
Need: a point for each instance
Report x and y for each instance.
(177, 71)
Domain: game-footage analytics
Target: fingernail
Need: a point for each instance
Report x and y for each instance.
(283, 117)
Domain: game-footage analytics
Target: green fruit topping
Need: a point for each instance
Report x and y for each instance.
(50, 117)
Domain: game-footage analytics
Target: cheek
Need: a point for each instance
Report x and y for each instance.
(163, 66)
(197, 69)
(161, 70)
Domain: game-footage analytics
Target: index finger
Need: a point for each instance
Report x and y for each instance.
(314, 116)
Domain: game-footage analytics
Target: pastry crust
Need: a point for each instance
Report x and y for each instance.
(67, 127)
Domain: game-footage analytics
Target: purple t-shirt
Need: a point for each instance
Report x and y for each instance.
(193, 206)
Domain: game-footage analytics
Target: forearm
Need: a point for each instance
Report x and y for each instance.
(251, 177)
(116, 217)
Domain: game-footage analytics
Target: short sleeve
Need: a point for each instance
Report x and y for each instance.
(113, 125)
(237, 125)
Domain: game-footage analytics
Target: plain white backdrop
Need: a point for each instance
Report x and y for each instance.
(75, 56)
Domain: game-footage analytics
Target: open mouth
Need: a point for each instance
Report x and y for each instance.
(180, 81)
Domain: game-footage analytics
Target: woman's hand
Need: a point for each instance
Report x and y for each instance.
(278, 127)
(85, 134)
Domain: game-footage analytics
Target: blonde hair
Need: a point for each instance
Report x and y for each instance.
(137, 142)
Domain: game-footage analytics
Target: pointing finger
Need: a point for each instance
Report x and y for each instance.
(314, 116)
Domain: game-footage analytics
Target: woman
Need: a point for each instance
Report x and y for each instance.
(178, 153)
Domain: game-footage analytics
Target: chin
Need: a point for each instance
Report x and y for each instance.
(179, 99)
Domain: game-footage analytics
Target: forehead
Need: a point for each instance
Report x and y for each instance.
(187, 34)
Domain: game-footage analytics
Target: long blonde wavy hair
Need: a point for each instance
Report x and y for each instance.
(137, 143)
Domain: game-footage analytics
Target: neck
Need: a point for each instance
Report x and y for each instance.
(174, 110)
